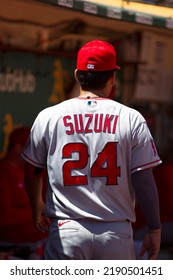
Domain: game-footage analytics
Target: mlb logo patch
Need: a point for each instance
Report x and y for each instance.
(90, 66)
(92, 103)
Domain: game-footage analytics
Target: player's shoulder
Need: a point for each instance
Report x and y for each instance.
(48, 111)
(127, 110)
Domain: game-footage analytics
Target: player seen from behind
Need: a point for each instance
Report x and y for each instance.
(99, 155)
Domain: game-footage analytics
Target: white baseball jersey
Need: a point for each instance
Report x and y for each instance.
(91, 147)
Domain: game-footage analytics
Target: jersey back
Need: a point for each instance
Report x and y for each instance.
(90, 148)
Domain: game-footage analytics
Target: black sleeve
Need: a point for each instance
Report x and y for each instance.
(147, 196)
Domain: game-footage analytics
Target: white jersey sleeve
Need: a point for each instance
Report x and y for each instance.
(143, 151)
(36, 146)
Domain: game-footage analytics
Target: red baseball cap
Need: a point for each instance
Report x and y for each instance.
(97, 56)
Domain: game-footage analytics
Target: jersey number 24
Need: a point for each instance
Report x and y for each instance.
(105, 164)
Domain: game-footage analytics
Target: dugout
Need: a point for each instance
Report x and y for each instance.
(39, 41)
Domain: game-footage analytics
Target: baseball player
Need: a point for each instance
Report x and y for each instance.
(99, 155)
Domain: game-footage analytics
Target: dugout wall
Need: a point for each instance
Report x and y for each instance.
(39, 41)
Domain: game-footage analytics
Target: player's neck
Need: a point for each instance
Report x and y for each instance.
(89, 94)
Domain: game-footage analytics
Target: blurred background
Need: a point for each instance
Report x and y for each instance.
(38, 45)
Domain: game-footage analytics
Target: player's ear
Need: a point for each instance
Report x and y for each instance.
(75, 75)
(114, 77)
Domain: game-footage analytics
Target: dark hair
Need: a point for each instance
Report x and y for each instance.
(93, 80)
